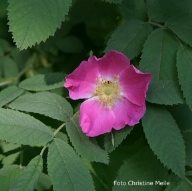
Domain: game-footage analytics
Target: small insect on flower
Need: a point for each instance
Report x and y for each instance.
(115, 93)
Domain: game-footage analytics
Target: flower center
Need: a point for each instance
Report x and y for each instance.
(108, 91)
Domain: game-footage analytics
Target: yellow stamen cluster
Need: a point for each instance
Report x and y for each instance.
(108, 91)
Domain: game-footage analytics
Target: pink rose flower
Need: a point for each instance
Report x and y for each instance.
(115, 93)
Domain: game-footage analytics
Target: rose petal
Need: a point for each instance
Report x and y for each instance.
(81, 82)
(111, 64)
(95, 119)
(127, 113)
(134, 85)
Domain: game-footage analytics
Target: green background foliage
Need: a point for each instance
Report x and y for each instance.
(42, 146)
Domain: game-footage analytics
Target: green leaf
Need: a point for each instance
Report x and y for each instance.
(43, 82)
(28, 178)
(5, 45)
(10, 159)
(8, 175)
(140, 167)
(3, 7)
(10, 68)
(133, 9)
(115, 138)
(66, 169)
(189, 173)
(179, 185)
(33, 21)
(9, 94)
(164, 92)
(11, 152)
(1, 70)
(70, 44)
(162, 10)
(184, 65)
(62, 136)
(46, 103)
(182, 27)
(6, 147)
(129, 38)
(83, 145)
(44, 183)
(182, 114)
(159, 54)
(187, 136)
(114, 1)
(1, 52)
(165, 139)
(16, 127)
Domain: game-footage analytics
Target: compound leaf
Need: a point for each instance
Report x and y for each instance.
(164, 92)
(9, 94)
(46, 103)
(43, 82)
(28, 177)
(182, 27)
(129, 38)
(159, 55)
(16, 127)
(165, 139)
(140, 167)
(184, 65)
(162, 10)
(83, 145)
(66, 170)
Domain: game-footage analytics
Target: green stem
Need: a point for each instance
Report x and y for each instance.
(163, 26)
(177, 38)
(54, 134)
(21, 73)
(188, 181)
(7, 81)
(21, 157)
(156, 24)
(58, 129)
(12, 80)
(43, 149)
(112, 139)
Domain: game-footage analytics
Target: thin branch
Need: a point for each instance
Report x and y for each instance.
(58, 129)
(54, 134)
(21, 158)
(156, 24)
